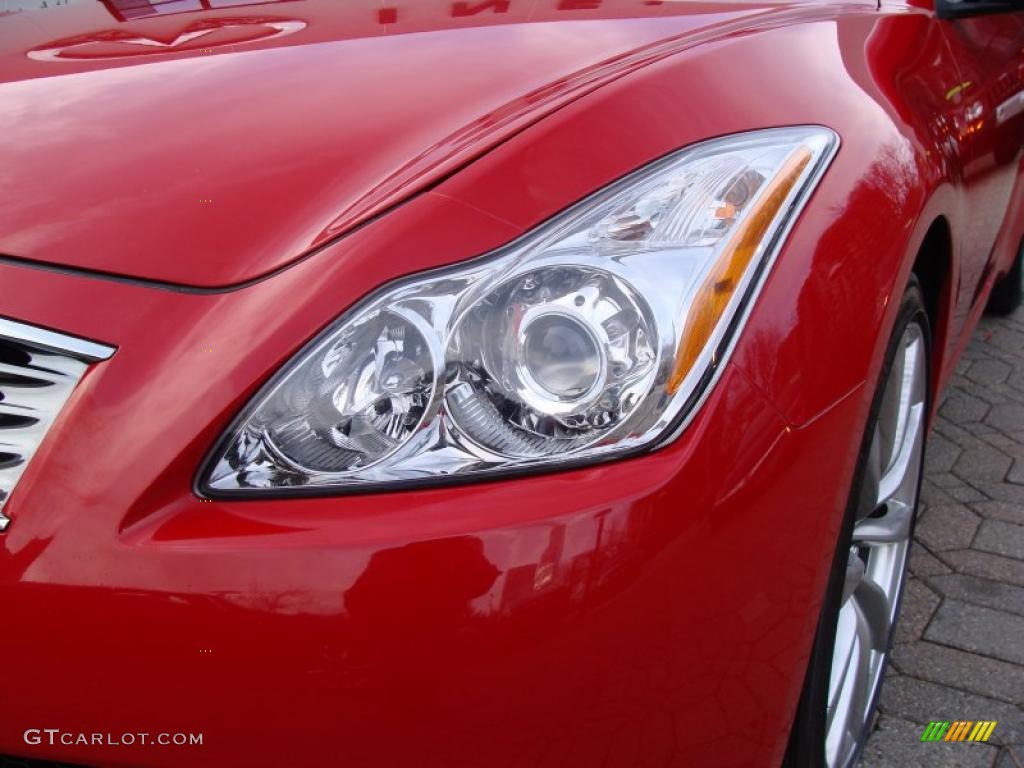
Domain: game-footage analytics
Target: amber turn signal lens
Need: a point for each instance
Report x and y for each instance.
(719, 286)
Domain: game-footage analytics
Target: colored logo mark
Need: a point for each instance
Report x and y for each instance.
(958, 730)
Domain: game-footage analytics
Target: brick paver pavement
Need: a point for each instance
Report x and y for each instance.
(959, 651)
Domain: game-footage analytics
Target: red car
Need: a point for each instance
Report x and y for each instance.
(480, 383)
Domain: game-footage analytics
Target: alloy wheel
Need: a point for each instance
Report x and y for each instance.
(876, 564)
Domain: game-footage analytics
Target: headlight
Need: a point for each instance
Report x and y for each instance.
(593, 336)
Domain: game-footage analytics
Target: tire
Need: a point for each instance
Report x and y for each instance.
(815, 740)
(1009, 290)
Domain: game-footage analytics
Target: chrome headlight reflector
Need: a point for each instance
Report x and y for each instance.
(595, 335)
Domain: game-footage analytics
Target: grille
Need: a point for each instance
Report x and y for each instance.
(38, 371)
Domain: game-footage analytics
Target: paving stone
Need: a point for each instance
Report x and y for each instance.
(897, 742)
(971, 589)
(921, 702)
(947, 527)
(1008, 416)
(982, 465)
(1008, 492)
(1006, 392)
(941, 454)
(967, 494)
(1000, 510)
(960, 382)
(994, 395)
(975, 628)
(1006, 339)
(975, 349)
(932, 494)
(919, 603)
(1010, 446)
(986, 565)
(1001, 538)
(1016, 474)
(945, 481)
(924, 563)
(961, 407)
(981, 429)
(989, 371)
(954, 668)
(958, 433)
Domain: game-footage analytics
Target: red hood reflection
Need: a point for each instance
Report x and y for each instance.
(203, 143)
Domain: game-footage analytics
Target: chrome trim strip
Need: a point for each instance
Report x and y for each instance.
(1011, 107)
(83, 349)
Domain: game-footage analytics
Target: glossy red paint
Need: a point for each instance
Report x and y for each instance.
(211, 148)
(645, 612)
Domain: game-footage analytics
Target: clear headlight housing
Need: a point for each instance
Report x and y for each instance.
(595, 335)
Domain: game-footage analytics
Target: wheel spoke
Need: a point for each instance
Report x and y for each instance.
(891, 527)
(854, 573)
(888, 422)
(876, 610)
(894, 480)
(850, 694)
(862, 684)
(841, 665)
(845, 664)
(871, 482)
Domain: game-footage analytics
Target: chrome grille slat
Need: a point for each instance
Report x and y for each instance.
(16, 376)
(16, 408)
(39, 369)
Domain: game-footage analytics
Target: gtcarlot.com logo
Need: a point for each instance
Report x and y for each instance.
(51, 736)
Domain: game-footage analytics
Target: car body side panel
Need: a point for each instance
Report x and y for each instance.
(989, 53)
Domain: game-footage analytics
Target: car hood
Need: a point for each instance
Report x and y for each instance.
(206, 146)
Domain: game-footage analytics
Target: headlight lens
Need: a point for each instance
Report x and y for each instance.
(595, 335)
(549, 361)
